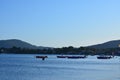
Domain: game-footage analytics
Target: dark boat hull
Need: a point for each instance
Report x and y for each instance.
(106, 57)
(76, 57)
(61, 56)
(41, 57)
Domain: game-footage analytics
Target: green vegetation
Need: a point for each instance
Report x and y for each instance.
(63, 50)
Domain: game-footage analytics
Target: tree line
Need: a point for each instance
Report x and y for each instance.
(63, 50)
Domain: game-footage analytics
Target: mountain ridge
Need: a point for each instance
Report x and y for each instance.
(9, 43)
(108, 44)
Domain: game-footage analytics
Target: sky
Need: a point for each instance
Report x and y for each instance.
(59, 23)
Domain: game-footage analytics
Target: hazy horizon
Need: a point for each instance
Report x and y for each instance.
(59, 23)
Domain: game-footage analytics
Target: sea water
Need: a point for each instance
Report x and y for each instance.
(27, 67)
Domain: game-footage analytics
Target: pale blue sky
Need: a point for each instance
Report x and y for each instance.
(58, 23)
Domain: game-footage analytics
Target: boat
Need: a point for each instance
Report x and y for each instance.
(42, 57)
(62, 56)
(76, 57)
(104, 57)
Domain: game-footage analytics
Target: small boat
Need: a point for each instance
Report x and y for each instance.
(61, 56)
(76, 57)
(42, 57)
(104, 57)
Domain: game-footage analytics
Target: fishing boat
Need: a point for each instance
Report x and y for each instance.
(61, 56)
(42, 57)
(104, 57)
(76, 57)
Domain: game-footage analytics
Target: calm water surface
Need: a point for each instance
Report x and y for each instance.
(27, 67)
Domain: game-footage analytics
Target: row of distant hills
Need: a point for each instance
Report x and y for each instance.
(22, 44)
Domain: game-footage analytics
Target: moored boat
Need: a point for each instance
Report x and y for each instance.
(104, 57)
(76, 57)
(42, 57)
(62, 56)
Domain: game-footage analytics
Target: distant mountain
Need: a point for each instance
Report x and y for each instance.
(18, 43)
(109, 44)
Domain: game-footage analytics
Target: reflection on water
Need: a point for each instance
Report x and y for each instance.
(27, 67)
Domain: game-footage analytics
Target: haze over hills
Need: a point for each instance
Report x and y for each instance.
(19, 43)
(109, 44)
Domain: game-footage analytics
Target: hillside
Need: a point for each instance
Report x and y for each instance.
(109, 44)
(18, 43)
